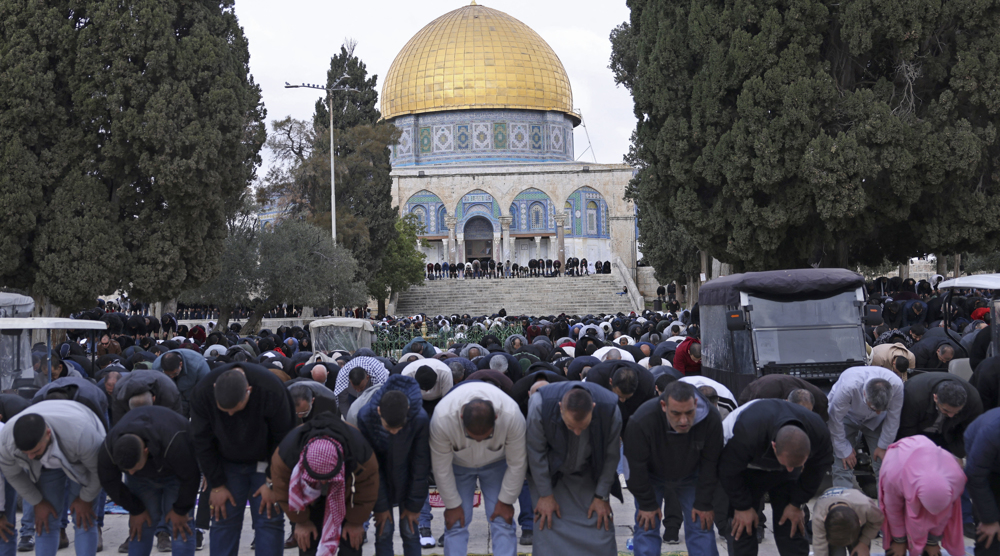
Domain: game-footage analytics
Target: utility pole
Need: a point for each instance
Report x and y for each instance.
(333, 176)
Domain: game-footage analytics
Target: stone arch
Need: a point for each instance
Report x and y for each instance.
(583, 203)
(526, 205)
(477, 203)
(427, 206)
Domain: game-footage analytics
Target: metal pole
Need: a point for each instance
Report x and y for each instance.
(333, 178)
(48, 342)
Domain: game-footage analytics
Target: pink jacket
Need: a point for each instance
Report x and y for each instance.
(920, 488)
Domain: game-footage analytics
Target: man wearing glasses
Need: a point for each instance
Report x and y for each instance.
(477, 433)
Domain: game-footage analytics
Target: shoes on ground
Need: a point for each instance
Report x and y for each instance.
(527, 537)
(100, 539)
(63, 539)
(672, 537)
(441, 540)
(26, 544)
(163, 542)
(290, 541)
(123, 547)
(199, 540)
(426, 538)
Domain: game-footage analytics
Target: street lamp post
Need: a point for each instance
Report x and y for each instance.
(333, 179)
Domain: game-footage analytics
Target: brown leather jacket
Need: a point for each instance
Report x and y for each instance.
(360, 502)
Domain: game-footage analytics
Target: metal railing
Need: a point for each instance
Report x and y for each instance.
(390, 341)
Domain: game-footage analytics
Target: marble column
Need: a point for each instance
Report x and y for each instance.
(507, 241)
(451, 222)
(560, 237)
(538, 247)
(460, 248)
(497, 249)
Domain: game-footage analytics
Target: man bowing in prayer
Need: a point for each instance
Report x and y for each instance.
(573, 444)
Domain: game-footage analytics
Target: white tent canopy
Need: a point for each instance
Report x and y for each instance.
(341, 334)
(43, 323)
(978, 281)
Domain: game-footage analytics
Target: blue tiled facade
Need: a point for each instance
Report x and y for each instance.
(483, 136)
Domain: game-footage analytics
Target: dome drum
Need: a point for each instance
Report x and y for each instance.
(483, 136)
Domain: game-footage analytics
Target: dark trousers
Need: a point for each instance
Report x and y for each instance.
(673, 517)
(316, 514)
(994, 549)
(779, 486)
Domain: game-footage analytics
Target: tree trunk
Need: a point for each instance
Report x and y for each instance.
(253, 323)
(942, 265)
(904, 270)
(45, 308)
(381, 306)
(958, 265)
(225, 313)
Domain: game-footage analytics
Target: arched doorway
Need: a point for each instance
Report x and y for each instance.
(478, 234)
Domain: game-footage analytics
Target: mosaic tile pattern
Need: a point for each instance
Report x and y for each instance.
(500, 136)
(426, 142)
(518, 136)
(443, 141)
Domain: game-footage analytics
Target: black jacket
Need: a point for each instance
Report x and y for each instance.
(404, 458)
(925, 352)
(249, 436)
(754, 428)
(779, 386)
(982, 467)
(11, 405)
(602, 374)
(920, 412)
(171, 454)
(164, 392)
(986, 379)
(655, 452)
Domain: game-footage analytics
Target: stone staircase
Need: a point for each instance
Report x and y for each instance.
(581, 295)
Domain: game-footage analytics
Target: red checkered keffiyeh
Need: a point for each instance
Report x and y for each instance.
(321, 465)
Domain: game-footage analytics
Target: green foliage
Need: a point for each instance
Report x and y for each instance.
(126, 131)
(667, 248)
(781, 134)
(402, 263)
(290, 263)
(981, 263)
(301, 182)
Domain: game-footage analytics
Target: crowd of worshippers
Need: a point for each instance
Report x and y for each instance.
(182, 433)
(488, 268)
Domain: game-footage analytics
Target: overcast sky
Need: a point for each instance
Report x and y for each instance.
(294, 39)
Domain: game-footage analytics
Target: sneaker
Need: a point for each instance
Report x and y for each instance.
(63, 539)
(526, 537)
(672, 537)
(163, 542)
(100, 539)
(26, 544)
(426, 538)
(199, 540)
(441, 540)
(123, 547)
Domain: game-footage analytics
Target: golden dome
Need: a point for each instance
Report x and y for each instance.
(476, 58)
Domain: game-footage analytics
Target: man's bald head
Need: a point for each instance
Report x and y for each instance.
(319, 373)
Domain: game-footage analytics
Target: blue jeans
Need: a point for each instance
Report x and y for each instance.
(9, 547)
(158, 496)
(425, 514)
(411, 539)
(699, 542)
(242, 480)
(56, 488)
(525, 515)
(490, 477)
(27, 518)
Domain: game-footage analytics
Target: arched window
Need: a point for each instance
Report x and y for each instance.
(421, 215)
(442, 214)
(591, 218)
(569, 215)
(537, 216)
